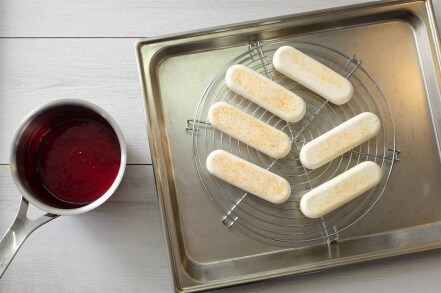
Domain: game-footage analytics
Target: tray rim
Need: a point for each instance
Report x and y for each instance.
(160, 43)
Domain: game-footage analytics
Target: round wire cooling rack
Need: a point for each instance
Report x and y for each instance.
(284, 223)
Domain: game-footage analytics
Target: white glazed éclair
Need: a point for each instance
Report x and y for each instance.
(249, 177)
(313, 75)
(265, 93)
(339, 140)
(340, 190)
(249, 130)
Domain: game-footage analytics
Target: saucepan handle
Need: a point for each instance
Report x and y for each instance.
(20, 229)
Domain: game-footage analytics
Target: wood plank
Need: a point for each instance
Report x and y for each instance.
(412, 273)
(140, 18)
(103, 71)
(118, 247)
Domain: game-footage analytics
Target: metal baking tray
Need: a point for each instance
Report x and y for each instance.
(399, 45)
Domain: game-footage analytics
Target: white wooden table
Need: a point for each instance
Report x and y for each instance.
(84, 49)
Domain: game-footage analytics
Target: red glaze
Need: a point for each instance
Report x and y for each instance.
(77, 161)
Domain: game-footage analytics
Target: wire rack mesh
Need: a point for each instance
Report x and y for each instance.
(284, 223)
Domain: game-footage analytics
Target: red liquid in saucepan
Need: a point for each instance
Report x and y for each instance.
(78, 160)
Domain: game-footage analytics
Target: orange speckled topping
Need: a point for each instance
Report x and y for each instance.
(316, 69)
(341, 189)
(249, 177)
(343, 138)
(344, 191)
(249, 130)
(264, 89)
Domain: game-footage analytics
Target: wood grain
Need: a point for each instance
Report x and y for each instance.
(118, 247)
(405, 274)
(103, 71)
(120, 18)
(148, 18)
